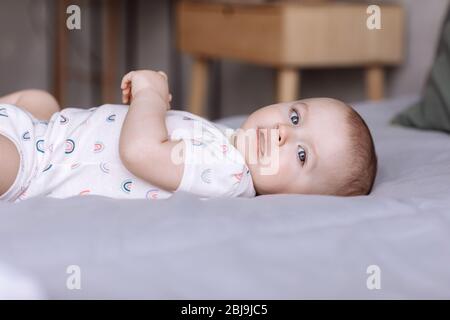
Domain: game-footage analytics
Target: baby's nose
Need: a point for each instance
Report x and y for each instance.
(282, 133)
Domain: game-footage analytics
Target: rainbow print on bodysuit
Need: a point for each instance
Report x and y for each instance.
(98, 146)
(3, 112)
(63, 119)
(26, 136)
(104, 167)
(126, 185)
(40, 146)
(70, 146)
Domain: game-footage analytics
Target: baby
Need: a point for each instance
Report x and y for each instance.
(147, 151)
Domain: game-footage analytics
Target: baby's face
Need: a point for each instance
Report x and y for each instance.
(296, 147)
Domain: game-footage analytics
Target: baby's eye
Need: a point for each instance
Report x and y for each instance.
(301, 154)
(294, 117)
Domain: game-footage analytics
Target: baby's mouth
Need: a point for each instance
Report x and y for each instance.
(261, 142)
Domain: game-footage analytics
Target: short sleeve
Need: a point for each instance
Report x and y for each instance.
(214, 168)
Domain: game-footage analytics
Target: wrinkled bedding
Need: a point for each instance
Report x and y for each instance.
(270, 247)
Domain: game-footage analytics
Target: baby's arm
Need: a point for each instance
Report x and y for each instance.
(144, 147)
(40, 104)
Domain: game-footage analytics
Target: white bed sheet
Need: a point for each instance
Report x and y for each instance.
(270, 247)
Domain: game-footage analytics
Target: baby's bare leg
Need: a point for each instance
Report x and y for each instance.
(39, 103)
(9, 163)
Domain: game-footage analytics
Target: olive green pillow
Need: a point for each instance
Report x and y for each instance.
(433, 110)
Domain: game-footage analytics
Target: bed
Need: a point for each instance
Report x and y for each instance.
(270, 247)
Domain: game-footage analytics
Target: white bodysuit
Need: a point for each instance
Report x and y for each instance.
(77, 153)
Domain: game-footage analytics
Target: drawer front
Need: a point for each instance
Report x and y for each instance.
(245, 32)
(337, 35)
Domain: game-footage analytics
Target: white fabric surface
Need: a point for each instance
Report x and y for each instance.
(277, 246)
(14, 285)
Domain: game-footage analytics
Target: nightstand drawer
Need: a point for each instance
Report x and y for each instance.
(314, 35)
(248, 32)
(337, 35)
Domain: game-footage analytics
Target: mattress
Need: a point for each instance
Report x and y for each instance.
(269, 247)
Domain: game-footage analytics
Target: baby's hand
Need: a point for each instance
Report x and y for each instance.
(144, 81)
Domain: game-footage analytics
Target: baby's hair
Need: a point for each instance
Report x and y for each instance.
(363, 158)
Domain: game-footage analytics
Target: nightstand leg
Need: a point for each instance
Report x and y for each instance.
(375, 83)
(288, 81)
(198, 86)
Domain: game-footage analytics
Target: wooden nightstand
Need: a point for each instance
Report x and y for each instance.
(289, 36)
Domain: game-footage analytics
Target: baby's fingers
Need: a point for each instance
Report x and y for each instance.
(126, 97)
(126, 80)
(126, 94)
(126, 91)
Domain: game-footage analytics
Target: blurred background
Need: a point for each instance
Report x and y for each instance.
(83, 67)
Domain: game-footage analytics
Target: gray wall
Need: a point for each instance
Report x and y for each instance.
(26, 50)
(24, 45)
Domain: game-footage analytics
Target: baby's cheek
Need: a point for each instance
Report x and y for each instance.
(289, 166)
(292, 173)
